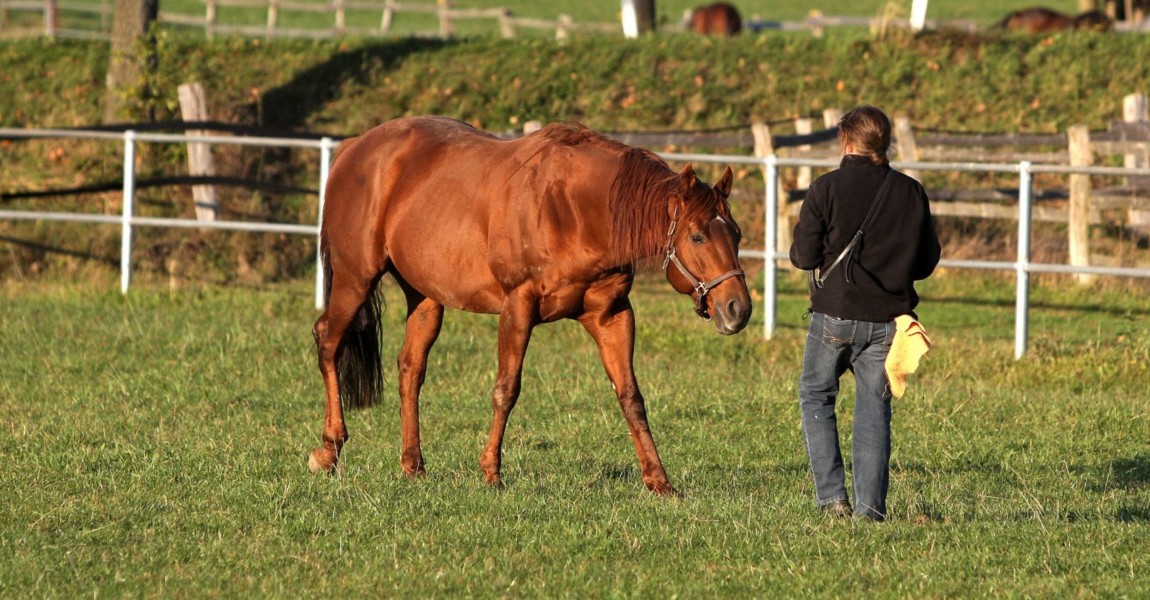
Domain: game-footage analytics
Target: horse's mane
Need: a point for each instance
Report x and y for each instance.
(638, 205)
(639, 194)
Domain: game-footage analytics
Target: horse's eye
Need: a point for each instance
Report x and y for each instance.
(697, 238)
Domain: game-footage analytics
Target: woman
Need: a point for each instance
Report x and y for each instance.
(861, 282)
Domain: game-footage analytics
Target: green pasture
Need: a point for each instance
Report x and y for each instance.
(669, 13)
(157, 442)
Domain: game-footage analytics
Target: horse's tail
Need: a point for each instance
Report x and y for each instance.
(357, 360)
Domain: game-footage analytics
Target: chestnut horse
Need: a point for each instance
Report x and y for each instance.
(546, 227)
(719, 18)
(1044, 20)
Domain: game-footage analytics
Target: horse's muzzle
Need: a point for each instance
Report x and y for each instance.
(730, 315)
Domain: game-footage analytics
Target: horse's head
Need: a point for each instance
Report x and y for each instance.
(703, 249)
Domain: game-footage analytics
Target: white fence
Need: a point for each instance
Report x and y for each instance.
(771, 164)
(128, 220)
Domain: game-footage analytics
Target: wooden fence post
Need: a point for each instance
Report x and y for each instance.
(905, 144)
(273, 15)
(804, 127)
(193, 108)
(340, 16)
(1078, 226)
(51, 15)
(1134, 110)
(815, 22)
(506, 28)
(209, 18)
(444, 19)
(831, 117)
(388, 16)
(765, 146)
(563, 31)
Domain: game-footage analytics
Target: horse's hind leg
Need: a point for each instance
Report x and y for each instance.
(347, 296)
(424, 318)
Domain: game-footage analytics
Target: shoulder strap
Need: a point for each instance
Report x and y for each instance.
(820, 277)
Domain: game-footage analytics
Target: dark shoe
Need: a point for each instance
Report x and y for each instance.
(838, 508)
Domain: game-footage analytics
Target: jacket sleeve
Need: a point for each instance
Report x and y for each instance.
(807, 245)
(929, 249)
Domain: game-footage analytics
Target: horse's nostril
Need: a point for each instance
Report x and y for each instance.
(739, 311)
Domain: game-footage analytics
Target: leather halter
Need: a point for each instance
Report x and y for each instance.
(701, 288)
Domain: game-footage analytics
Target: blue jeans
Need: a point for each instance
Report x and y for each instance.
(833, 346)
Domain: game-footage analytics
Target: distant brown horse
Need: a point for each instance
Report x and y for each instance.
(719, 18)
(547, 227)
(1044, 20)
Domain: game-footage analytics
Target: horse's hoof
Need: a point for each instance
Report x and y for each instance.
(414, 473)
(493, 481)
(322, 460)
(664, 489)
(412, 464)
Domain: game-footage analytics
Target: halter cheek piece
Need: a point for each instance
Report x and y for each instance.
(701, 288)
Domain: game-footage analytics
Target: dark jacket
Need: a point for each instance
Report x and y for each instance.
(898, 247)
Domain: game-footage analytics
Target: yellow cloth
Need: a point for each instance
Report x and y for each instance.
(909, 345)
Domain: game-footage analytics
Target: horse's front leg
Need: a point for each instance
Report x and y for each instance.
(424, 319)
(518, 317)
(613, 328)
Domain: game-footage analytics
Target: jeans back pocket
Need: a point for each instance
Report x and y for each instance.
(838, 333)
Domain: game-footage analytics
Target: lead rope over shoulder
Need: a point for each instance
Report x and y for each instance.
(818, 277)
(701, 288)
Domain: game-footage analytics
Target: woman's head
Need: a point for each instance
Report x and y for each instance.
(866, 131)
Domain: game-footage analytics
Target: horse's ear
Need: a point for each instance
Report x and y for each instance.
(724, 184)
(687, 180)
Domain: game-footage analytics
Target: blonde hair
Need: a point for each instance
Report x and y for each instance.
(866, 130)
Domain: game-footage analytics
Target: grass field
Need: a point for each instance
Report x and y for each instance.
(157, 447)
(668, 13)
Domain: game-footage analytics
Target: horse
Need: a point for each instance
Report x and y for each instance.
(1094, 20)
(1044, 20)
(550, 226)
(719, 18)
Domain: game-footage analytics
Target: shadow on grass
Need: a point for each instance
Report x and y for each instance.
(289, 106)
(1125, 475)
(1133, 514)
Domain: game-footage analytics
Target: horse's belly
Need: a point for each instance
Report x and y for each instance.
(457, 280)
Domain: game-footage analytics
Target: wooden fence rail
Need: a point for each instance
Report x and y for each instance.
(503, 19)
(1080, 204)
(210, 22)
(1085, 203)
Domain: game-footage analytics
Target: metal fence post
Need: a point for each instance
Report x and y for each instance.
(325, 149)
(770, 269)
(1022, 267)
(126, 220)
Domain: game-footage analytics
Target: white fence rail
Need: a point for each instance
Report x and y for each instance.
(770, 255)
(128, 220)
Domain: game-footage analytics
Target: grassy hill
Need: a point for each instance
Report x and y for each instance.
(950, 81)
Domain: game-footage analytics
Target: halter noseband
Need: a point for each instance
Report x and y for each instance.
(701, 288)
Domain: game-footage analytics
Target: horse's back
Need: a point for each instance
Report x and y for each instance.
(1037, 20)
(719, 18)
(464, 216)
